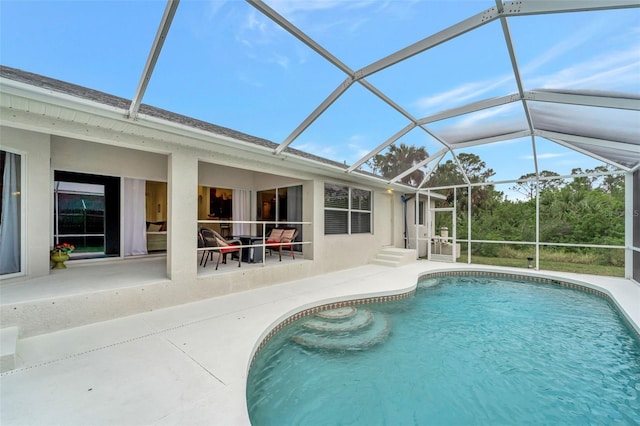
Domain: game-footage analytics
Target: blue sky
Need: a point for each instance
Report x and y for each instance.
(226, 63)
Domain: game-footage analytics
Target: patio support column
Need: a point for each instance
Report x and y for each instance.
(629, 218)
(182, 225)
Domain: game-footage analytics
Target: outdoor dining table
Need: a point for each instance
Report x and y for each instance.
(250, 254)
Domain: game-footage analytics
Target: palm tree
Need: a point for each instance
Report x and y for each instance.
(397, 160)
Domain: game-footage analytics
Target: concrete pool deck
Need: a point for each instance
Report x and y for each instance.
(188, 364)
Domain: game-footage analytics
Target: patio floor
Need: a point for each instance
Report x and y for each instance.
(104, 274)
(188, 364)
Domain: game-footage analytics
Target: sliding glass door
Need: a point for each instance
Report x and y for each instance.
(87, 213)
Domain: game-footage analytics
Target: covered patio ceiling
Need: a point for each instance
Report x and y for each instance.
(439, 89)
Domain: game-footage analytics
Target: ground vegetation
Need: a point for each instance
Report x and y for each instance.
(584, 209)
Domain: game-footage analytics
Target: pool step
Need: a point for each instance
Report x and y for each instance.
(360, 319)
(357, 331)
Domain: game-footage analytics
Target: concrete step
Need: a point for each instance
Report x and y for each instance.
(8, 345)
(383, 262)
(391, 256)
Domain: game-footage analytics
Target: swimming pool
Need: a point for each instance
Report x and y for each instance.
(465, 349)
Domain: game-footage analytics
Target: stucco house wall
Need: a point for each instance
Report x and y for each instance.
(59, 132)
(332, 252)
(75, 155)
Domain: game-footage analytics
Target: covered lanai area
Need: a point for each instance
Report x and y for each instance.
(397, 138)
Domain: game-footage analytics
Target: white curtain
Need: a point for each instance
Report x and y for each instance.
(10, 220)
(241, 209)
(135, 225)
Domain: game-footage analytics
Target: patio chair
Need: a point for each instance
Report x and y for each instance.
(218, 243)
(273, 238)
(201, 244)
(281, 238)
(288, 237)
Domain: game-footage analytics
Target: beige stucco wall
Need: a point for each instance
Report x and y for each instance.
(221, 176)
(87, 157)
(335, 252)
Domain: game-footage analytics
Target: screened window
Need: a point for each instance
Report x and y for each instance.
(346, 210)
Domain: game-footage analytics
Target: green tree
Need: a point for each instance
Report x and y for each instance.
(475, 169)
(528, 188)
(449, 173)
(580, 182)
(610, 184)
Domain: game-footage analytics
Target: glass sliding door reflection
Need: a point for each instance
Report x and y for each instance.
(80, 217)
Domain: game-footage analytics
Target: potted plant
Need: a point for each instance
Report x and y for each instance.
(60, 254)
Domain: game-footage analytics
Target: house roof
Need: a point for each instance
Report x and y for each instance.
(598, 121)
(75, 90)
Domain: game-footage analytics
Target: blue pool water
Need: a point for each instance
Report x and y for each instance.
(464, 350)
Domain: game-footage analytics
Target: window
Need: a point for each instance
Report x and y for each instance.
(421, 213)
(346, 210)
(220, 203)
(282, 205)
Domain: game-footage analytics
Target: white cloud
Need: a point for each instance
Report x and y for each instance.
(578, 37)
(459, 95)
(244, 77)
(350, 152)
(281, 60)
(254, 21)
(320, 149)
(482, 117)
(290, 7)
(543, 156)
(214, 8)
(356, 147)
(616, 70)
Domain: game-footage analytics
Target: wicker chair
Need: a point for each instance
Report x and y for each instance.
(281, 238)
(217, 243)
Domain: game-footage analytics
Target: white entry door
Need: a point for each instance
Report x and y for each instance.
(442, 245)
